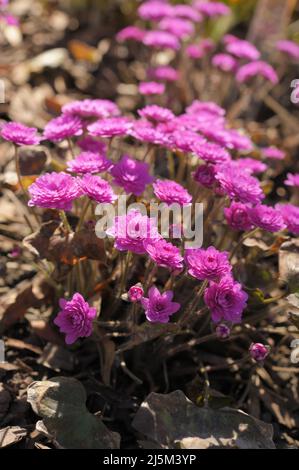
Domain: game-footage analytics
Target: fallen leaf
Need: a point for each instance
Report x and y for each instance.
(82, 51)
(61, 403)
(173, 421)
(11, 435)
(289, 263)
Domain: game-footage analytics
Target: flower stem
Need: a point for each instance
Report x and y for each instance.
(83, 214)
(65, 221)
(246, 235)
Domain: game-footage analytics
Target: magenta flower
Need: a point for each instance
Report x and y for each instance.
(207, 264)
(130, 231)
(184, 140)
(89, 162)
(205, 175)
(290, 215)
(54, 191)
(292, 180)
(211, 9)
(222, 331)
(186, 11)
(20, 134)
(63, 127)
(75, 318)
(170, 192)
(251, 165)
(91, 109)
(226, 300)
(237, 216)
(131, 33)
(273, 152)
(164, 254)
(159, 307)
(259, 67)
(198, 51)
(131, 175)
(151, 88)
(181, 28)
(110, 127)
(156, 113)
(164, 72)
(239, 141)
(290, 48)
(98, 189)
(210, 107)
(211, 153)
(154, 10)
(161, 40)
(144, 131)
(243, 49)
(135, 293)
(239, 185)
(267, 218)
(88, 144)
(224, 62)
(259, 351)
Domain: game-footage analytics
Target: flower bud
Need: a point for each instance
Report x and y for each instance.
(135, 293)
(259, 351)
(222, 331)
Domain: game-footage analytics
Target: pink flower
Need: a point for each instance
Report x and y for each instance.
(130, 231)
(226, 300)
(75, 318)
(164, 254)
(205, 175)
(267, 218)
(224, 62)
(154, 10)
(98, 189)
(222, 331)
(211, 9)
(211, 153)
(239, 141)
(110, 127)
(259, 351)
(239, 185)
(292, 180)
(180, 28)
(54, 191)
(207, 264)
(63, 127)
(20, 134)
(89, 162)
(164, 72)
(146, 132)
(135, 293)
(198, 51)
(251, 165)
(237, 216)
(131, 33)
(159, 307)
(185, 141)
(243, 49)
(273, 152)
(151, 88)
(88, 144)
(186, 11)
(290, 48)
(290, 215)
(259, 67)
(170, 192)
(161, 40)
(91, 109)
(156, 113)
(131, 175)
(210, 107)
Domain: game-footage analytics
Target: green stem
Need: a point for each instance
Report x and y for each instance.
(65, 221)
(83, 214)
